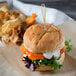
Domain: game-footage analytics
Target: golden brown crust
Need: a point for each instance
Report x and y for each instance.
(38, 41)
(4, 6)
(49, 68)
(17, 11)
(44, 68)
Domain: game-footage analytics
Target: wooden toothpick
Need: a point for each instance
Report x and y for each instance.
(43, 9)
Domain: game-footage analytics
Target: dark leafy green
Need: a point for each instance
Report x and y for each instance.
(22, 41)
(49, 62)
(68, 45)
(56, 65)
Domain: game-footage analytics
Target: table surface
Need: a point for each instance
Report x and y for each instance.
(67, 6)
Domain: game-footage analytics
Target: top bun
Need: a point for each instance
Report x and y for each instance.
(36, 40)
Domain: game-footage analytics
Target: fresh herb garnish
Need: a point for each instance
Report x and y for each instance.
(68, 45)
(56, 64)
(49, 62)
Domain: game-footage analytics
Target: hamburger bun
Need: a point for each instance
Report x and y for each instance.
(36, 40)
(49, 68)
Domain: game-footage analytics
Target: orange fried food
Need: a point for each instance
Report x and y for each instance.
(6, 16)
(31, 20)
(32, 56)
(2, 15)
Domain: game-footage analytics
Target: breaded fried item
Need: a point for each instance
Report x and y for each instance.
(11, 24)
(31, 20)
(4, 6)
(2, 15)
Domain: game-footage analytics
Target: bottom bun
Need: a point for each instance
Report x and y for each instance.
(49, 68)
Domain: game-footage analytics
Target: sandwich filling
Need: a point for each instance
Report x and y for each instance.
(50, 54)
(33, 60)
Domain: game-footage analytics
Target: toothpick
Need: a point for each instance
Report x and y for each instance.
(43, 9)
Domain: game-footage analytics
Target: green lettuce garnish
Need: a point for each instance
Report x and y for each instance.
(68, 45)
(49, 62)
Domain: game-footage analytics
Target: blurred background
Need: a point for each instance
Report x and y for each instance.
(67, 6)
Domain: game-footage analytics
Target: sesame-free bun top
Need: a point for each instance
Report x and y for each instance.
(36, 40)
